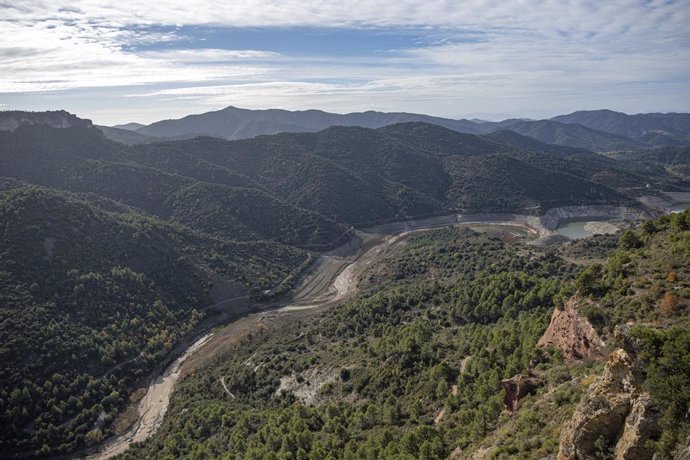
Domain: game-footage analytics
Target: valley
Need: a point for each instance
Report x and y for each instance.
(362, 230)
(136, 280)
(332, 279)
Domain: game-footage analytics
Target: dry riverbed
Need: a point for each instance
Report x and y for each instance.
(332, 279)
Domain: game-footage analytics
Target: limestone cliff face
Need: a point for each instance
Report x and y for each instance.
(615, 415)
(572, 334)
(640, 425)
(11, 120)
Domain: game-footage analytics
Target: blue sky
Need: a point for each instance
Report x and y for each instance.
(119, 61)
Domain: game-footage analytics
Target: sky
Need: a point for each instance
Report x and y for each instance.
(125, 60)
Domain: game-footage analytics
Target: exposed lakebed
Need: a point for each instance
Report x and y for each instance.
(584, 228)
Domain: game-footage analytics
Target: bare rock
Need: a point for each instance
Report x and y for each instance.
(13, 119)
(571, 333)
(516, 388)
(641, 425)
(614, 414)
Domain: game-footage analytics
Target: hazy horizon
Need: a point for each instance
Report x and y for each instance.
(486, 117)
(119, 62)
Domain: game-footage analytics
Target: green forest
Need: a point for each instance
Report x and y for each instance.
(92, 301)
(114, 257)
(435, 329)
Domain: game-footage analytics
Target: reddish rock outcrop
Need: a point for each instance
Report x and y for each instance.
(572, 334)
(516, 388)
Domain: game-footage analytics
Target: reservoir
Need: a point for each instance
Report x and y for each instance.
(576, 229)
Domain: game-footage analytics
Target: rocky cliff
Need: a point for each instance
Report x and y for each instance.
(13, 119)
(572, 334)
(615, 417)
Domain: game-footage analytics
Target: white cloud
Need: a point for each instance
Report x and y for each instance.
(581, 17)
(208, 55)
(479, 53)
(52, 55)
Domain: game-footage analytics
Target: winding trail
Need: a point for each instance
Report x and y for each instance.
(222, 382)
(332, 278)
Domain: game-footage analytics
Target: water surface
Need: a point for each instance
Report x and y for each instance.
(574, 230)
(680, 207)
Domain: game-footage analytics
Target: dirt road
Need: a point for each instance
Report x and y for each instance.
(152, 407)
(332, 278)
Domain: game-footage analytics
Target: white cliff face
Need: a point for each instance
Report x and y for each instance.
(11, 120)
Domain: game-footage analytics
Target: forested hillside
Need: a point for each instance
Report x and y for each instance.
(413, 366)
(397, 172)
(573, 135)
(92, 300)
(82, 160)
(454, 309)
(652, 128)
(599, 130)
(112, 255)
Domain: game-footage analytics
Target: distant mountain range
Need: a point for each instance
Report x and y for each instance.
(398, 171)
(130, 126)
(598, 130)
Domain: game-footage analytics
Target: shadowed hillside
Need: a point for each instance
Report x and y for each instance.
(112, 254)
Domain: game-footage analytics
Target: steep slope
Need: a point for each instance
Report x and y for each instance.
(420, 363)
(90, 301)
(423, 162)
(500, 183)
(636, 408)
(81, 160)
(399, 171)
(607, 170)
(395, 172)
(524, 142)
(380, 375)
(666, 156)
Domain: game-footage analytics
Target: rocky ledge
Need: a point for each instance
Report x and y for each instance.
(13, 119)
(616, 416)
(516, 388)
(572, 334)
